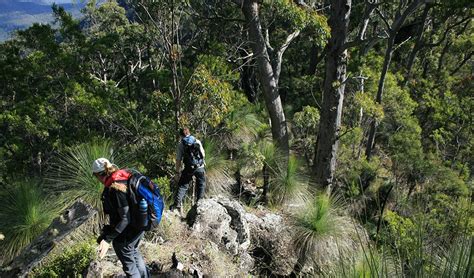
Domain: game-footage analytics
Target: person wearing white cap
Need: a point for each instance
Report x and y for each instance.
(124, 237)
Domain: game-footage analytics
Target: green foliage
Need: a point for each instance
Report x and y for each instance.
(211, 95)
(256, 155)
(305, 127)
(319, 226)
(71, 173)
(109, 75)
(70, 263)
(218, 173)
(242, 126)
(369, 106)
(164, 183)
(319, 219)
(370, 262)
(353, 172)
(457, 261)
(288, 184)
(25, 212)
(295, 17)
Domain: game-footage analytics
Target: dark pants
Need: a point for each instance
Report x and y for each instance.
(185, 179)
(126, 248)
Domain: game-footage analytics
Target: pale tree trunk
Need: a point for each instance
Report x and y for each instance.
(269, 70)
(333, 94)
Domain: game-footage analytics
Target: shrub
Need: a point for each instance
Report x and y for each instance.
(71, 263)
(218, 179)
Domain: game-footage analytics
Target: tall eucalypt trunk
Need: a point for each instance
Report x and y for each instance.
(269, 71)
(333, 94)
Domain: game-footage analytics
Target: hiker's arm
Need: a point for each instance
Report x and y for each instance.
(201, 149)
(124, 214)
(123, 211)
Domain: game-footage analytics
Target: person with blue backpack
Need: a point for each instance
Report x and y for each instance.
(189, 152)
(126, 228)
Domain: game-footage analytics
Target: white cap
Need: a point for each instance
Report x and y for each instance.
(99, 165)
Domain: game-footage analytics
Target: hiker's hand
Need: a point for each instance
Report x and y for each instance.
(102, 250)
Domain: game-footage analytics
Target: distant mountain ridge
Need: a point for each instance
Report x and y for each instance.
(20, 14)
(31, 7)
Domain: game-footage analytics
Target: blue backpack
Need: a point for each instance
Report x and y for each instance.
(143, 188)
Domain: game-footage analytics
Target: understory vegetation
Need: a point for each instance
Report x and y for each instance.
(119, 82)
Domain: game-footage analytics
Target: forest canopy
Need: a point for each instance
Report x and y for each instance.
(369, 100)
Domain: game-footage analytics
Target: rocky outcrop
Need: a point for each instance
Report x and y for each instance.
(76, 223)
(222, 221)
(261, 239)
(272, 243)
(218, 239)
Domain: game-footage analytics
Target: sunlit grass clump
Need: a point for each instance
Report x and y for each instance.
(218, 177)
(25, 212)
(288, 184)
(321, 232)
(71, 172)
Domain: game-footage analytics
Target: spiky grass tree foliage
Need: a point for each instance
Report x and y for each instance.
(271, 157)
(370, 262)
(25, 212)
(71, 172)
(321, 232)
(457, 261)
(218, 177)
(288, 183)
(242, 126)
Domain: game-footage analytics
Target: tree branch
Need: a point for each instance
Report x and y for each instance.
(466, 58)
(281, 51)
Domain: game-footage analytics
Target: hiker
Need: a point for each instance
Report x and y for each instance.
(123, 236)
(191, 153)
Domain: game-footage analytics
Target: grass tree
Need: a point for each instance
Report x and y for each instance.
(370, 262)
(25, 212)
(321, 233)
(218, 177)
(71, 172)
(270, 156)
(457, 261)
(288, 183)
(242, 126)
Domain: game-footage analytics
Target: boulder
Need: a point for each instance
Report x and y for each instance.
(272, 244)
(222, 221)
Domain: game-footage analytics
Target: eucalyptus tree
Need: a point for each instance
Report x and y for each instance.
(333, 94)
(392, 25)
(269, 58)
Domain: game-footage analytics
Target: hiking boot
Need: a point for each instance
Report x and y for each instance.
(174, 207)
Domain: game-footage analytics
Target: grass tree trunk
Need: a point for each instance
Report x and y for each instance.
(333, 94)
(268, 75)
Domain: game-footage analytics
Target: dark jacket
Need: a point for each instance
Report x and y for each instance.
(116, 204)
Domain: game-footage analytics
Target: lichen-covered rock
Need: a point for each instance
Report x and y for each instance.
(221, 221)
